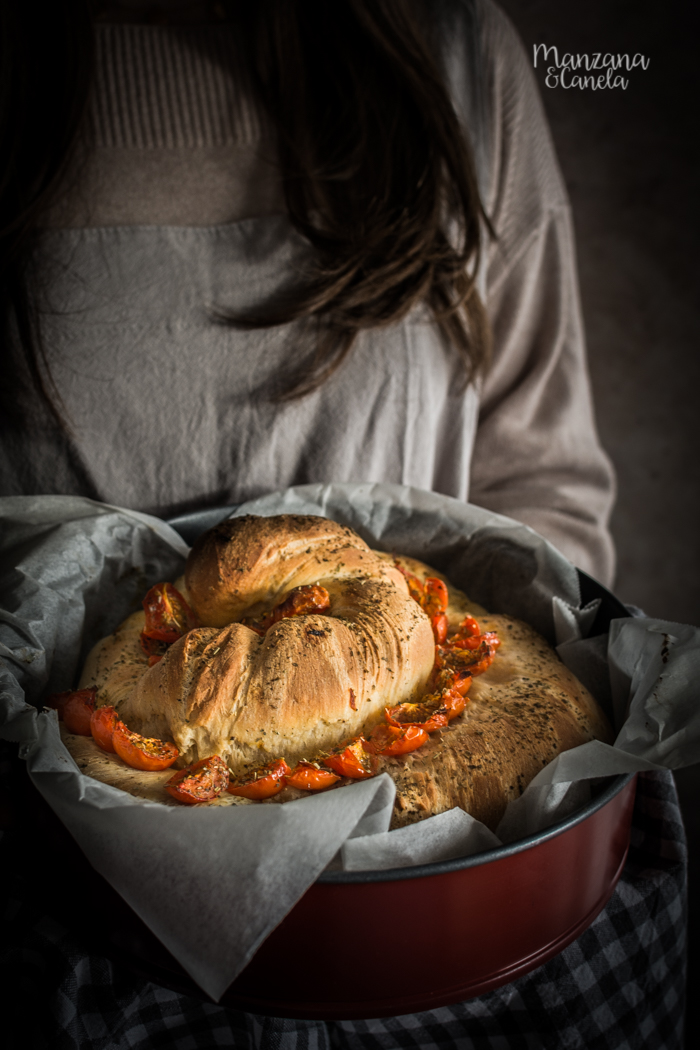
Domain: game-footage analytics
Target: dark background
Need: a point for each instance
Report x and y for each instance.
(630, 160)
(630, 163)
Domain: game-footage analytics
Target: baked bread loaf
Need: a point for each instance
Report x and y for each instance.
(310, 682)
(225, 690)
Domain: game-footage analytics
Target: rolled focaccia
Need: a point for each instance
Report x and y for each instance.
(308, 683)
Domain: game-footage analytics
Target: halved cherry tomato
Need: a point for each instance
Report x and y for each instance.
(439, 625)
(59, 700)
(415, 587)
(311, 598)
(75, 707)
(453, 703)
(142, 752)
(386, 739)
(438, 720)
(308, 599)
(200, 782)
(485, 653)
(353, 760)
(447, 678)
(436, 596)
(467, 636)
(310, 777)
(469, 626)
(428, 714)
(483, 664)
(261, 783)
(459, 681)
(464, 641)
(168, 617)
(432, 596)
(473, 660)
(102, 725)
(433, 712)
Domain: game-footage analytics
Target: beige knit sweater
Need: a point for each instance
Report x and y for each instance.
(176, 210)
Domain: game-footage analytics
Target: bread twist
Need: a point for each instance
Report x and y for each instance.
(310, 682)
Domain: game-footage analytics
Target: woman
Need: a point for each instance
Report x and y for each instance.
(265, 261)
(288, 242)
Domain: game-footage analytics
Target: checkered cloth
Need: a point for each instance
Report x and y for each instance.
(620, 985)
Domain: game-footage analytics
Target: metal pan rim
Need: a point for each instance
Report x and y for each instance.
(442, 867)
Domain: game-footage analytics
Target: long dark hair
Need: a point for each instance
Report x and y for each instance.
(373, 159)
(45, 73)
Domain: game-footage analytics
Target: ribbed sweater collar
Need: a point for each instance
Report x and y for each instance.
(171, 87)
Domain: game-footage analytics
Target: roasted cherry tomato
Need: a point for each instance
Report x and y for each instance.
(168, 617)
(467, 636)
(433, 712)
(302, 601)
(261, 783)
(142, 752)
(453, 703)
(439, 625)
(428, 714)
(436, 596)
(353, 760)
(458, 680)
(464, 641)
(200, 782)
(59, 700)
(484, 662)
(153, 660)
(75, 707)
(102, 725)
(388, 739)
(472, 660)
(485, 653)
(415, 587)
(310, 777)
(469, 626)
(432, 596)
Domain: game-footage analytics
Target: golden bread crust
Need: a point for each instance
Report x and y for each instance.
(524, 711)
(312, 681)
(245, 565)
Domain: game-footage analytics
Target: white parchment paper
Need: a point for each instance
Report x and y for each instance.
(71, 570)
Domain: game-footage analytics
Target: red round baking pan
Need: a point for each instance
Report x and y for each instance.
(382, 943)
(378, 944)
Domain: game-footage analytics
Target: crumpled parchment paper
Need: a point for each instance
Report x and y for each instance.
(71, 570)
